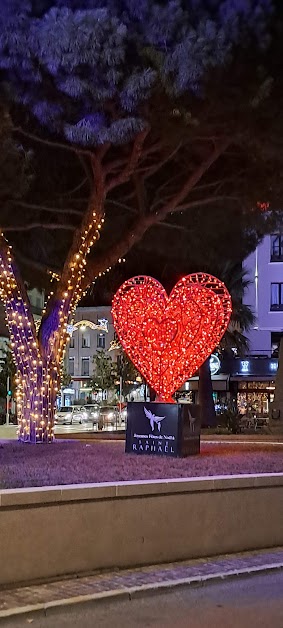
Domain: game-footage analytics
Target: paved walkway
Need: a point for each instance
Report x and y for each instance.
(128, 582)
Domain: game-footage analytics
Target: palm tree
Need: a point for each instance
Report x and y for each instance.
(242, 318)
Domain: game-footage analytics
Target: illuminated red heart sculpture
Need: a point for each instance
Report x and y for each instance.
(168, 338)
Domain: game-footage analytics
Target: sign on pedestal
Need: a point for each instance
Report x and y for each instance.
(163, 429)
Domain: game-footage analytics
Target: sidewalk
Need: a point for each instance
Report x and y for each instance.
(10, 433)
(42, 598)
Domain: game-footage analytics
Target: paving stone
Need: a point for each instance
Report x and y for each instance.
(135, 578)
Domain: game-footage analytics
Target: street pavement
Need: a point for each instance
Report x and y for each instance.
(86, 430)
(50, 597)
(251, 602)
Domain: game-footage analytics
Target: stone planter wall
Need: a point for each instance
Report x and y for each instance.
(48, 532)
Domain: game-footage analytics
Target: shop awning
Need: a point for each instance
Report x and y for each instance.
(219, 382)
(251, 378)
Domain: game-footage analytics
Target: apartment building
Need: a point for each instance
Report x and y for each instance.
(92, 331)
(265, 297)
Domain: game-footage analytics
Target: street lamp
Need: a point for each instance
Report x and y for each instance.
(8, 397)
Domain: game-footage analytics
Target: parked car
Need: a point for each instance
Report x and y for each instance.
(108, 416)
(93, 412)
(80, 415)
(68, 415)
(64, 416)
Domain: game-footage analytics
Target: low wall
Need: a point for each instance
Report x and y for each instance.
(8, 432)
(48, 532)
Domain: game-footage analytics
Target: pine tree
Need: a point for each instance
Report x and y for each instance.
(130, 90)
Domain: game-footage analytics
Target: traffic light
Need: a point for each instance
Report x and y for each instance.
(9, 393)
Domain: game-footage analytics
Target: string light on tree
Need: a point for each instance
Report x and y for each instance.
(39, 351)
(168, 338)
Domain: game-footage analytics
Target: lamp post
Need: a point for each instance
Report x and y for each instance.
(8, 401)
(120, 398)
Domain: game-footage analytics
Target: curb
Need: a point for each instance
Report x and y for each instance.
(131, 592)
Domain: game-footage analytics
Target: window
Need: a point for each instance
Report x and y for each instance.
(85, 340)
(275, 343)
(276, 248)
(85, 366)
(101, 341)
(71, 366)
(276, 301)
(72, 342)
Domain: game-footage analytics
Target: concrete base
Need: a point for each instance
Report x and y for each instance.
(55, 531)
(8, 432)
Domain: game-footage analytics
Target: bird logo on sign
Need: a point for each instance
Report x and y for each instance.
(153, 419)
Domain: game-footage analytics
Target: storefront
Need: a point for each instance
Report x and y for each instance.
(252, 383)
(254, 397)
(220, 386)
(248, 383)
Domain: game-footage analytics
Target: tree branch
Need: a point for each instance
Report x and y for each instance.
(140, 193)
(153, 169)
(36, 225)
(205, 201)
(131, 163)
(69, 288)
(43, 208)
(27, 261)
(136, 231)
(198, 173)
(61, 145)
(121, 205)
(73, 190)
(13, 291)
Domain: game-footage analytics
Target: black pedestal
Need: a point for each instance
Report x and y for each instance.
(163, 429)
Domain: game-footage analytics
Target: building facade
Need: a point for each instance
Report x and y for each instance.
(249, 382)
(91, 331)
(265, 295)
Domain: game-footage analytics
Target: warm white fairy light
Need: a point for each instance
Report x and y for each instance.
(39, 361)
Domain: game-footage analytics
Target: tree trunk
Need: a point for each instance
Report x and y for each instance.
(36, 400)
(38, 355)
(205, 396)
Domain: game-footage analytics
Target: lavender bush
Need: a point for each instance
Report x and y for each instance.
(76, 463)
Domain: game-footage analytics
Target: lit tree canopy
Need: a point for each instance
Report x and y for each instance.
(152, 99)
(87, 70)
(154, 109)
(139, 93)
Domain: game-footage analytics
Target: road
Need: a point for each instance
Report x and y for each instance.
(78, 428)
(253, 602)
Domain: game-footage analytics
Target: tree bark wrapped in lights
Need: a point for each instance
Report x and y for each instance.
(38, 355)
(120, 89)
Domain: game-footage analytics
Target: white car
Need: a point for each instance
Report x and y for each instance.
(64, 416)
(67, 415)
(80, 415)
